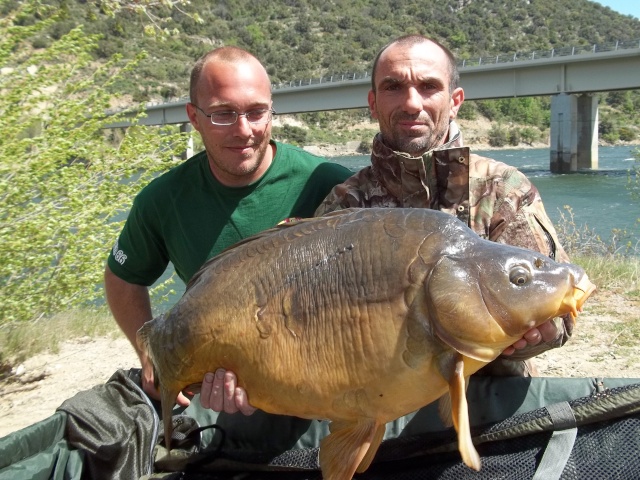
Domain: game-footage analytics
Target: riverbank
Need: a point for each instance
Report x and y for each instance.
(475, 135)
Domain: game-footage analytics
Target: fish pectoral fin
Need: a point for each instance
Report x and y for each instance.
(168, 400)
(343, 450)
(447, 362)
(460, 415)
(373, 448)
(444, 410)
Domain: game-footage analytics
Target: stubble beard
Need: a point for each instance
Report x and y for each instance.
(260, 154)
(419, 144)
(242, 170)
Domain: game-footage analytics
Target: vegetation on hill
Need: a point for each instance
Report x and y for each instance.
(301, 38)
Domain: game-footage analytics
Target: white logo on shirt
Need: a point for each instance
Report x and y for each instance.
(119, 255)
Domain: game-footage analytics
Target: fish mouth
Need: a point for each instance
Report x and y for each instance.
(575, 299)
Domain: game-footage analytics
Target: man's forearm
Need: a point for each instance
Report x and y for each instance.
(129, 303)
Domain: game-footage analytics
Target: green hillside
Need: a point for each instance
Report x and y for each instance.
(298, 39)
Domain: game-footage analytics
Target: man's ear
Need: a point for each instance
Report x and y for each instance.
(372, 104)
(457, 97)
(192, 113)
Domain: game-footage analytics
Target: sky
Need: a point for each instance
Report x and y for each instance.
(626, 7)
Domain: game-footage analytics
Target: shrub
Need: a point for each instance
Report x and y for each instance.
(468, 111)
(364, 147)
(528, 135)
(514, 137)
(627, 134)
(498, 136)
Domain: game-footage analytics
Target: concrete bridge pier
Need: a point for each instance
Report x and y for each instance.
(574, 133)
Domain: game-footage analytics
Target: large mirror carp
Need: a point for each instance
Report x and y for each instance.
(358, 317)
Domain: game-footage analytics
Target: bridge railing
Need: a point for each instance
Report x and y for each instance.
(339, 77)
(554, 52)
(474, 62)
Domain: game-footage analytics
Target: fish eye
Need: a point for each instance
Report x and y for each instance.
(519, 276)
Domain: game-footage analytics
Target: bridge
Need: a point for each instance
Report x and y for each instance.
(569, 74)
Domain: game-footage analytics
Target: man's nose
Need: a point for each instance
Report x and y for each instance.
(243, 126)
(412, 101)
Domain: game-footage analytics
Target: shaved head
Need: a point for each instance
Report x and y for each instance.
(230, 54)
(415, 39)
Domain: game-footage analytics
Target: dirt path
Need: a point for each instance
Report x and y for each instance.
(47, 379)
(597, 349)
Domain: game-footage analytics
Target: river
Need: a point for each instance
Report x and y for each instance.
(598, 198)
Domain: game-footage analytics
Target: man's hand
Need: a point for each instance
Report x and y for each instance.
(543, 333)
(220, 393)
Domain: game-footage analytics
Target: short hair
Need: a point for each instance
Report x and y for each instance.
(228, 54)
(416, 39)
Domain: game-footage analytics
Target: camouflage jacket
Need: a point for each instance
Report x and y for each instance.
(496, 200)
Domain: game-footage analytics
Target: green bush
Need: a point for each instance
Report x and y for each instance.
(489, 109)
(529, 135)
(468, 111)
(365, 147)
(514, 137)
(627, 134)
(40, 41)
(498, 136)
(291, 134)
(610, 137)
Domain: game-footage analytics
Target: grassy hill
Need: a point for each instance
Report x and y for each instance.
(301, 38)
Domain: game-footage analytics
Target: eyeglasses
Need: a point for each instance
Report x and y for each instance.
(229, 117)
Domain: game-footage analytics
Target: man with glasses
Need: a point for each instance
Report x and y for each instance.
(242, 183)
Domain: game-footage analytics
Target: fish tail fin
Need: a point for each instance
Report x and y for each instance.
(168, 400)
(143, 339)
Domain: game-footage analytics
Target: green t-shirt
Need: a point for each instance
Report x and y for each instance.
(186, 216)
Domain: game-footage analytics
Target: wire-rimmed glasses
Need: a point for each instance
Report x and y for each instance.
(229, 117)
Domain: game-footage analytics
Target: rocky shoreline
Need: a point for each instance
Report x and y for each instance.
(476, 136)
(350, 148)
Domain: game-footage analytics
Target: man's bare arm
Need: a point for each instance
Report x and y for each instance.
(131, 307)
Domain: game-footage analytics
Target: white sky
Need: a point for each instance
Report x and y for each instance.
(626, 7)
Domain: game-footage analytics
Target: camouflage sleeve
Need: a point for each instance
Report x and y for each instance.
(330, 204)
(528, 226)
(532, 228)
(518, 216)
(350, 194)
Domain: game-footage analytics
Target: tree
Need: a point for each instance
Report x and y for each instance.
(65, 184)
